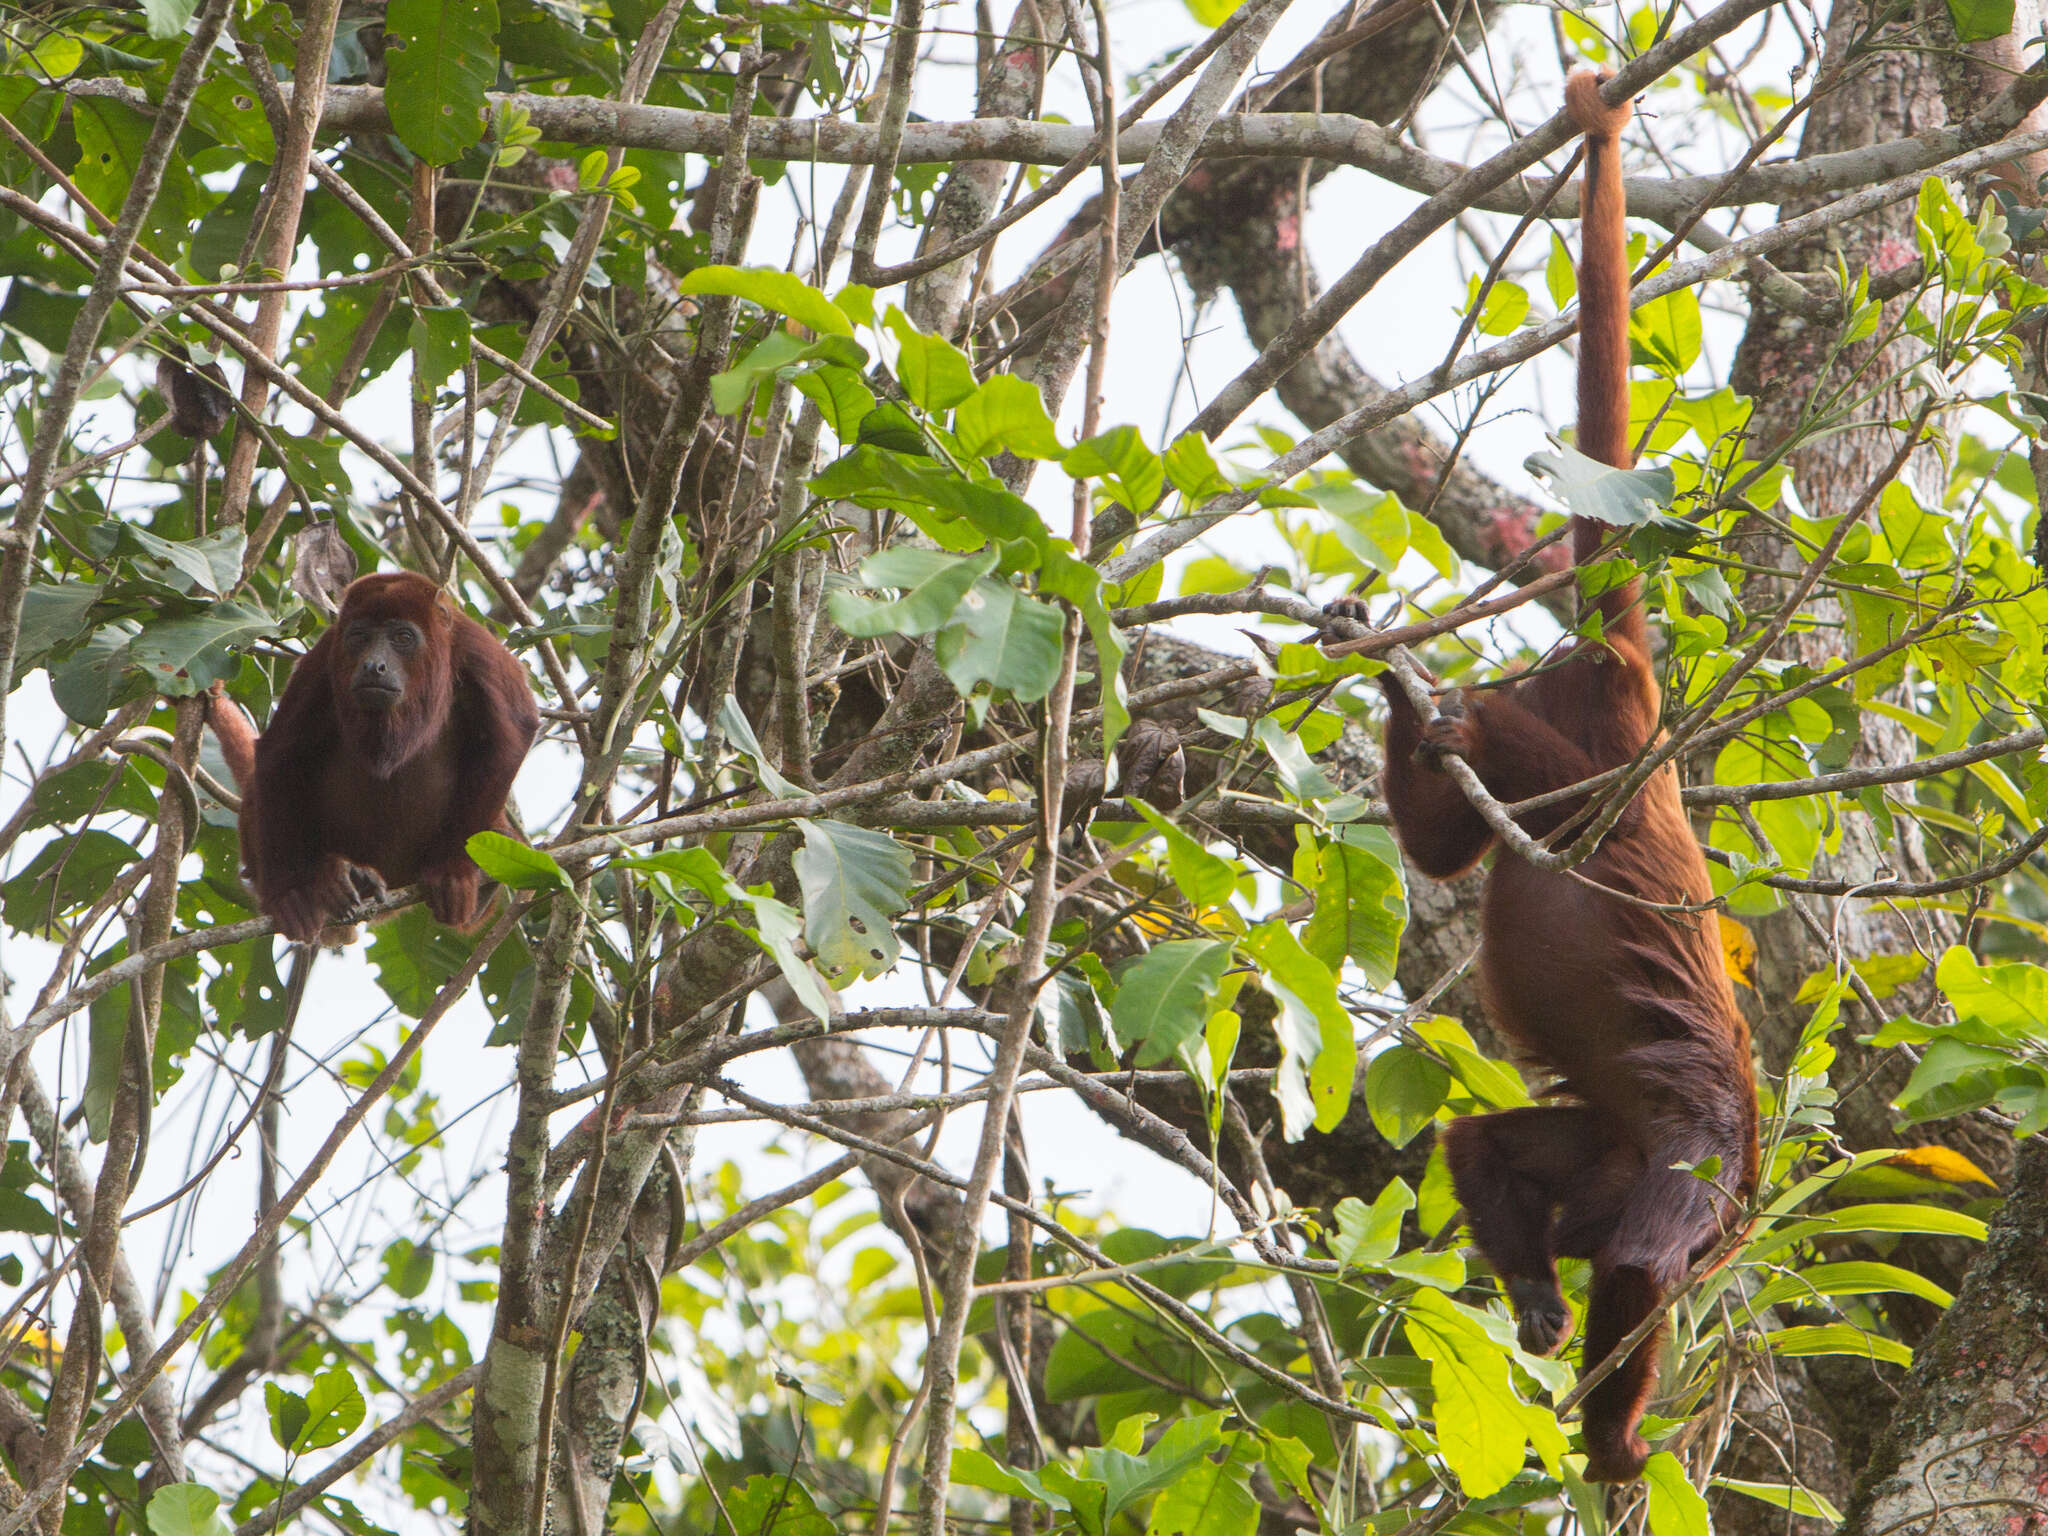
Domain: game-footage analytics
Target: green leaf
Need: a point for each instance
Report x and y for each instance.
(440, 345)
(408, 1267)
(773, 1504)
(1208, 1498)
(1507, 306)
(54, 614)
(978, 1469)
(185, 1509)
(441, 57)
(1004, 638)
(854, 881)
(1191, 469)
(519, 865)
(1801, 1501)
(334, 1410)
(1300, 777)
(1978, 21)
(111, 137)
(1676, 1507)
(779, 352)
(1622, 498)
(771, 289)
(842, 399)
(168, 18)
(211, 563)
(1088, 1358)
(1317, 1061)
(697, 868)
(1666, 331)
(740, 732)
(935, 374)
(66, 874)
(184, 656)
(288, 1415)
(1837, 1339)
(1361, 903)
(1860, 1277)
(1481, 1426)
(1128, 470)
(1403, 1091)
(777, 926)
(1163, 999)
(944, 504)
(1205, 878)
(2004, 1004)
(1006, 415)
(1493, 1083)
(1213, 573)
(932, 584)
(1560, 278)
(1061, 575)
(1371, 1234)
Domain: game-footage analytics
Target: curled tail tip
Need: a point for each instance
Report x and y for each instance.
(1594, 117)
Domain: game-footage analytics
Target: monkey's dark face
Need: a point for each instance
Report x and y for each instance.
(381, 656)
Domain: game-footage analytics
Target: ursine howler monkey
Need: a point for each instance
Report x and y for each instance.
(1630, 1007)
(397, 738)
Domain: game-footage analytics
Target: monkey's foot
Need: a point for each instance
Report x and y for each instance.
(303, 912)
(1615, 1458)
(1542, 1321)
(451, 890)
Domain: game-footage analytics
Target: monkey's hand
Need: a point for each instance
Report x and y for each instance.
(1348, 607)
(450, 888)
(1453, 733)
(302, 911)
(1542, 1320)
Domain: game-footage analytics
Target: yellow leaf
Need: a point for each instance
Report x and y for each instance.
(1943, 1163)
(1738, 951)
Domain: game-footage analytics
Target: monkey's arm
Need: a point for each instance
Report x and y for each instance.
(1518, 755)
(1439, 830)
(300, 882)
(498, 720)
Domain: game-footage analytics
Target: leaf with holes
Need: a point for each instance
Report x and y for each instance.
(441, 56)
(854, 881)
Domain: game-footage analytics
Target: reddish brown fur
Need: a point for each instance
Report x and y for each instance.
(400, 790)
(1630, 1008)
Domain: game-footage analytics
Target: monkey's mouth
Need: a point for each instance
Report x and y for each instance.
(373, 696)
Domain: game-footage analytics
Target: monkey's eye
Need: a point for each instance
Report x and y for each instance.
(358, 635)
(405, 638)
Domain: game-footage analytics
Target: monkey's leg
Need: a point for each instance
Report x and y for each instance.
(1666, 1214)
(1511, 1171)
(1621, 1298)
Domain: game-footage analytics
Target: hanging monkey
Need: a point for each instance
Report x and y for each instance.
(1630, 1007)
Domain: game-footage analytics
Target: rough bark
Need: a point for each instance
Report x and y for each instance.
(1967, 1447)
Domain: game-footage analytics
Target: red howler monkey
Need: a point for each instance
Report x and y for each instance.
(397, 737)
(1631, 1008)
